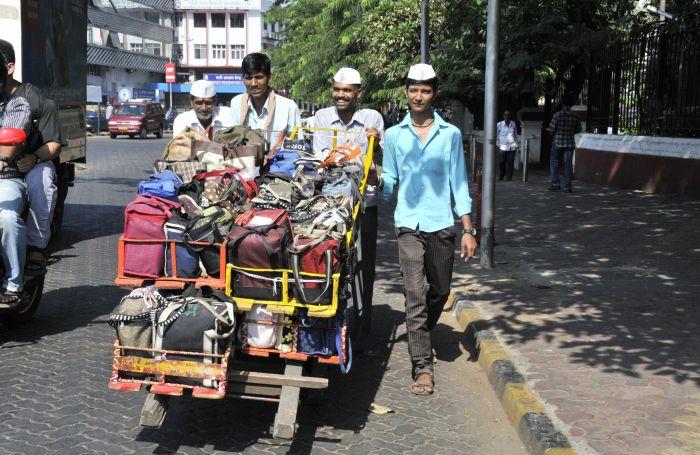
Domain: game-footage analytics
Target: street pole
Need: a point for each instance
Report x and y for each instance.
(490, 114)
(424, 28)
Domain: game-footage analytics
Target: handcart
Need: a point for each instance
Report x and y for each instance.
(242, 371)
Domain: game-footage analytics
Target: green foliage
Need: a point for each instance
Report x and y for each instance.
(540, 40)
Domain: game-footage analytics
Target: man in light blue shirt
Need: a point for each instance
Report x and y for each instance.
(261, 108)
(347, 117)
(423, 155)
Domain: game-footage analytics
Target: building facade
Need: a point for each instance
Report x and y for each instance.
(128, 44)
(212, 38)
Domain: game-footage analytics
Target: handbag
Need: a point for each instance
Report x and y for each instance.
(181, 147)
(186, 258)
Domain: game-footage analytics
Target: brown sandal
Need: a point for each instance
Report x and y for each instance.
(421, 386)
(9, 299)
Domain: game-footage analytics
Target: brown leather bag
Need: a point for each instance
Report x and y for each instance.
(181, 147)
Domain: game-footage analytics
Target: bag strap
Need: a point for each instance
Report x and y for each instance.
(271, 105)
(298, 283)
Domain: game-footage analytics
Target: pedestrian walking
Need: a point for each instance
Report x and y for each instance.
(423, 155)
(109, 110)
(564, 126)
(346, 115)
(507, 142)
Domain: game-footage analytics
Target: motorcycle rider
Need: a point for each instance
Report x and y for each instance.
(36, 163)
(14, 113)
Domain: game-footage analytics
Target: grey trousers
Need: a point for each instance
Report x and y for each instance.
(426, 260)
(363, 283)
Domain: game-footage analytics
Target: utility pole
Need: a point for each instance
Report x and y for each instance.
(490, 114)
(424, 28)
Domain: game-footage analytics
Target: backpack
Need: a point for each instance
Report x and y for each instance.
(210, 226)
(260, 242)
(283, 162)
(163, 184)
(186, 257)
(144, 219)
(181, 147)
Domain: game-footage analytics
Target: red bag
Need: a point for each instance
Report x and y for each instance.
(315, 256)
(260, 243)
(144, 219)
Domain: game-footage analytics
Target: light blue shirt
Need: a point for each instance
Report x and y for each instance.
(286, 116)
(432, 176)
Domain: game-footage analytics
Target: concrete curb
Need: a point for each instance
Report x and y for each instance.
(524, 409)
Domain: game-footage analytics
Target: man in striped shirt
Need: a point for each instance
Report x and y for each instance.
(14, 113)
(564, 126)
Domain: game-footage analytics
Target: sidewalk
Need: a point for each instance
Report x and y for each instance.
(596, 293)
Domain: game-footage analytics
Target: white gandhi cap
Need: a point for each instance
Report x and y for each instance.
(348, 76)
(203, 89)
(421, 72)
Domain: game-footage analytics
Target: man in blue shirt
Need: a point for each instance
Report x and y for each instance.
(423, 155)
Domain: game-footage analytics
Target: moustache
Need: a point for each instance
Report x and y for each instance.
(342, 99)
(204, 113)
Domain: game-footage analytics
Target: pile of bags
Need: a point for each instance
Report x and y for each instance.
(286, 212)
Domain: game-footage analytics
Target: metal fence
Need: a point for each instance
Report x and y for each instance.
(648, 84)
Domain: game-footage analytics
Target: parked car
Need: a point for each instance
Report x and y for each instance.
(91, 122)
(137, 118)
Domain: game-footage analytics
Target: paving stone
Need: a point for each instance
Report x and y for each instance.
(53, 384)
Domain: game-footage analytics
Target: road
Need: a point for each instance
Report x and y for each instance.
(53, 381)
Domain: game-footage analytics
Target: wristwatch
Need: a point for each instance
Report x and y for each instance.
(471, 230)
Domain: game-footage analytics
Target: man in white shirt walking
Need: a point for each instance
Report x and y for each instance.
(204, 116)
(261, 108)
(507, 144)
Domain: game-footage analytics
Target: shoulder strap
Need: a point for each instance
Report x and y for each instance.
(244, 109)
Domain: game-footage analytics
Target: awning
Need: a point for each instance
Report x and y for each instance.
(185, 88)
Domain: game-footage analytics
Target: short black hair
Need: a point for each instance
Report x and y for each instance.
(433, 83)
(569, 99)
(7, 51)
(256, 63)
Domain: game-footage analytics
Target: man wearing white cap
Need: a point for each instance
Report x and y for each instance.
(204, 116)
(347, 116)
(423, 155)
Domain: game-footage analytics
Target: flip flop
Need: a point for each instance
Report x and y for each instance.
(421, 387)
(10, 299)
(36, 263)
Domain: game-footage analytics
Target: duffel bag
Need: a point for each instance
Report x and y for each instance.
(144, 219)
(165, 184)
(133, 321)
(203, 325)
(262, 328)
(187, 259)
(259, 242)
(183, 169)
(283, 162)
(314, 255)
(181, 147)
(210, 226)
(316, 336)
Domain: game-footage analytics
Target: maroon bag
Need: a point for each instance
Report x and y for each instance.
(259, 240)
(314, 256)
(226, 187)
(144, 219)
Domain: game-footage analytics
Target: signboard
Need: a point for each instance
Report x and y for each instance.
(224, 79)
(143, 94)
(170, 73)
(93, 94)
(221, 5)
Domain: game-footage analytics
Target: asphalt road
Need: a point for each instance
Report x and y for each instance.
(53, 376)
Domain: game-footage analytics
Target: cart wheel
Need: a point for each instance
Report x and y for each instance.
(154, 410)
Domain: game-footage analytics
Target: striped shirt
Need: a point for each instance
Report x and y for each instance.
(15, 112)
(564, 125)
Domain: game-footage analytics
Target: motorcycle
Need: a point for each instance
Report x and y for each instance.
(23, 310)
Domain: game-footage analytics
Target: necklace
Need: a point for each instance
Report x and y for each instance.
(424, 125)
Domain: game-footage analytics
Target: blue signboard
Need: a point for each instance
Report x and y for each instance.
(224, 79)
(143, 93)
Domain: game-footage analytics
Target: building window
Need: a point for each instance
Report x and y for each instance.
(178, 20)
(136, 47)
(200, 20)
(218, 51)
(151, 17)
(200, 51)
(177, 51)
(153, 49)
(265, 26)
(218, 20)
(94, 70)
(237, 51)
(237, 20)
